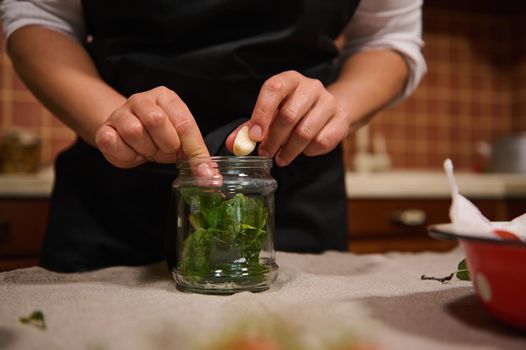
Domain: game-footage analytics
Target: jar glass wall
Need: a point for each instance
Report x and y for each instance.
(225, 225)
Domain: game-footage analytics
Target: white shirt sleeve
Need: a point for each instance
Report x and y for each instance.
(389, 24)
(64, 16)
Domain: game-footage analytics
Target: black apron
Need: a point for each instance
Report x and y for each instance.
(215, 54)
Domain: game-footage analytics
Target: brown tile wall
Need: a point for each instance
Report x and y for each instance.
(19, 109)
(519, 79)
(474, 91)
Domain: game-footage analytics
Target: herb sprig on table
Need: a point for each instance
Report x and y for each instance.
(462, 273)
(36, 318)
(225, 238)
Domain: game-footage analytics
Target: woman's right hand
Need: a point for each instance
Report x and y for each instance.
(155, 125)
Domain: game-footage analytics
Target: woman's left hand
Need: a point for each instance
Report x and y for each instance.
(293, 115)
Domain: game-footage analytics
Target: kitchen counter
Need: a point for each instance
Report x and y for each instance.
(27, 185)
(394, 184)
(433, 184)
(373, 299)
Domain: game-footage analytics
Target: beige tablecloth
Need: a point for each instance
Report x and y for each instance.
(317, 300)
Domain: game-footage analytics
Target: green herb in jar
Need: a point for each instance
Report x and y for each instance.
(226, 237)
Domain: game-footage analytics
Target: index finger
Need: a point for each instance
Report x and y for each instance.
(272, 93)
(192, 142)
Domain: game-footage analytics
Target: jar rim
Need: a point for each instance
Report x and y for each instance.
(242, 161)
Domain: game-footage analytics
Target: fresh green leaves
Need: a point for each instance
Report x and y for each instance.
(462, 271)
(225, 238)
(36, 318)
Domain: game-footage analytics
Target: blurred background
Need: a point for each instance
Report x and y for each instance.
(473, 96)
(473, 91)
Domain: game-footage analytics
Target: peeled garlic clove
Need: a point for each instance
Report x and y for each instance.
(243, 145)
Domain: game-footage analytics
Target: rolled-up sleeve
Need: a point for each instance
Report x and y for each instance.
(389, 24)
(64, 16)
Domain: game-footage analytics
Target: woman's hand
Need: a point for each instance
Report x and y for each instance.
(293, 115)
(155, 125)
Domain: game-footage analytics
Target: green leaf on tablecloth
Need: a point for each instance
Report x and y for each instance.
(462, 271)
(36, 318)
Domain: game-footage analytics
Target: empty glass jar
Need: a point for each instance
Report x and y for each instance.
(225, 225)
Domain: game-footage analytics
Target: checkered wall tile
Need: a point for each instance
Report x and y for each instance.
(474, 91)
(19, 109)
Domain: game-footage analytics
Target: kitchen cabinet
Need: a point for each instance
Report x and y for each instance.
(22, 226)
(386, 212)
(375, 225)
(24, 206)
(391, 211)
(387, 224)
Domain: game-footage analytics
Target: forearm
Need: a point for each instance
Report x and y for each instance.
(63, 77)
(368, 81)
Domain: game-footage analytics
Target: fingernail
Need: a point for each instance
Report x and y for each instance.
(256, 133)
(204, 170)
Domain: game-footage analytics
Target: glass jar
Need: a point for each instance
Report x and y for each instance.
(225, 225)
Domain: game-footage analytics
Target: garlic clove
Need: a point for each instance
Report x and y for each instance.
(243, 145)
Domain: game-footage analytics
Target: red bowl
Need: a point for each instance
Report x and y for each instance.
(497, 270)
